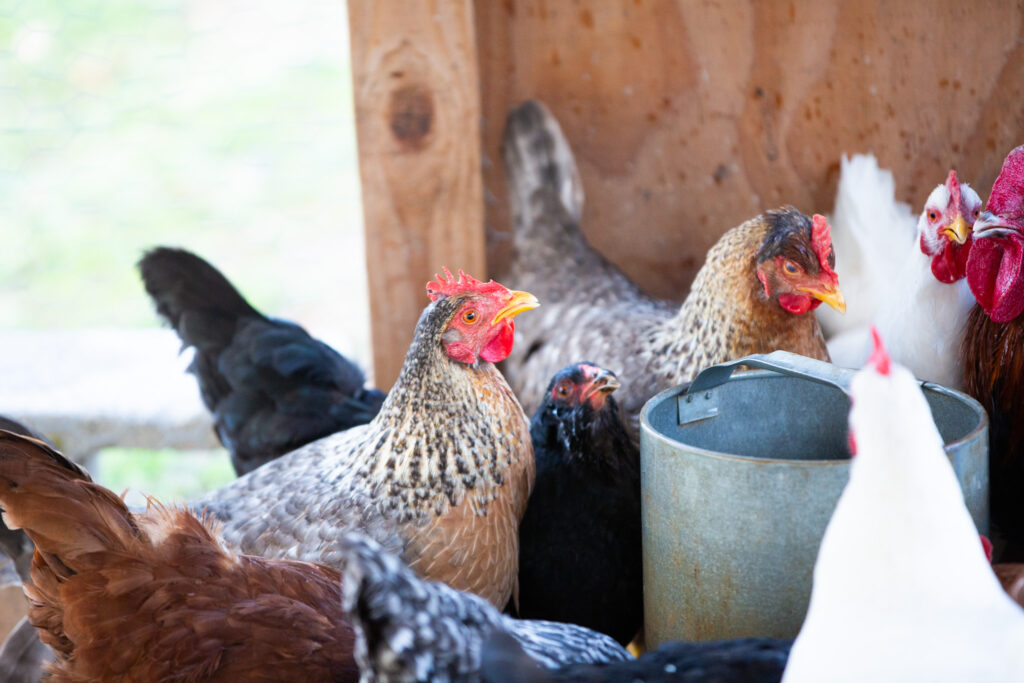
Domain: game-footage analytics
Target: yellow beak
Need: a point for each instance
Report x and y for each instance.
(958, 230)
(520, 301)
(832, 296)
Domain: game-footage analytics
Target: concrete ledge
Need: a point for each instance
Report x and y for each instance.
(92, 389)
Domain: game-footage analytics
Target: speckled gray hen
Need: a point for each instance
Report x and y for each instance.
(441, 476)
(409, 630)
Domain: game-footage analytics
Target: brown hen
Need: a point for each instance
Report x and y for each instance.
(752, 295)
(154, 596)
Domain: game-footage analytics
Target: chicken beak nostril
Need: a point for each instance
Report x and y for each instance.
(604, 383)
(958, 231)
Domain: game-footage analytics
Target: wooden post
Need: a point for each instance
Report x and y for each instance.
(417, 105)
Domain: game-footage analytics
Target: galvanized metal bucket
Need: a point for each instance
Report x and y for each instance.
(740, 475)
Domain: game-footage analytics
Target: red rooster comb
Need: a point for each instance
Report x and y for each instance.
(1006, 199)
(879, 357)
(821, 241)
(447, 285)
(954, 189)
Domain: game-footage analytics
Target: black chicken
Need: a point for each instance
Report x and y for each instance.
(579, 542)
(741, 660)
(270, 386)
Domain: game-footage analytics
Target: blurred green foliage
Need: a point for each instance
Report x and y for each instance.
(169, 476)
(225, 126)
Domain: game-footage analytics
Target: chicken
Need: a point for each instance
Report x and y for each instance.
(902, 588)
(743, 660)
(552, 257)
(751, 296)
(871, 233)
(410, 630)
(579, 542)
(441, 476)
(925, 301)
(270, 386)
(154, 596)
(993, 346)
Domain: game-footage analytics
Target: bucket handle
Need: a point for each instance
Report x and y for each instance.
(782, 362)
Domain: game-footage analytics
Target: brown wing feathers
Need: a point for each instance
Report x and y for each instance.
(154, 596)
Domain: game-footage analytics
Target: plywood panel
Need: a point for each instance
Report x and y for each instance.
(417, 103)
(689, 117)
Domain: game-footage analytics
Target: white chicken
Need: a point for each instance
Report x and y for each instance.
(925, 299)
(871, 232)
(902, 588)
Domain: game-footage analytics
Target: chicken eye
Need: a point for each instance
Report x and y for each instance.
(933, 215)
(562, 390)
(791, 267)
(470, 317)
(977, 212)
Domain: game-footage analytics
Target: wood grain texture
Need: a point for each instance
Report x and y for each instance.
(689, 117)
(416, 94)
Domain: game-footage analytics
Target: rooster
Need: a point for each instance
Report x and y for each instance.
(410, 630)
(154, 596)
(579, 541)
(902, 588)
(270, 386)
(752, 295)
(993, 345)
(924, 304)
(440, 476)
(552, 257)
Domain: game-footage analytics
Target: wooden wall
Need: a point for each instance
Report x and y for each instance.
(686, 117)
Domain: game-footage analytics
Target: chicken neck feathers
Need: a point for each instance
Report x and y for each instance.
(994, 375)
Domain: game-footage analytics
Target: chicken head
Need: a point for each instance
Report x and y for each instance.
(944, 228)
(795, 264)
(994, 268)
(482, 326)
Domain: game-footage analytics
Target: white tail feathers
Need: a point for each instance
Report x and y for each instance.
(871, 233)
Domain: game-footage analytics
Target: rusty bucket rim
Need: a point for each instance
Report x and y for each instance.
(660, 397)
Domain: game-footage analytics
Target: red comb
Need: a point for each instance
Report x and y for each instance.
(954, 189)
(1006, 198)
(986, 545)
(447, 285)
(821, 241)
(879, 357)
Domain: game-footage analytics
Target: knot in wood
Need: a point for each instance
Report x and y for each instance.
(411, 115)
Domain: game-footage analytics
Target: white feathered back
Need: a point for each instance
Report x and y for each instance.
(902, 588)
